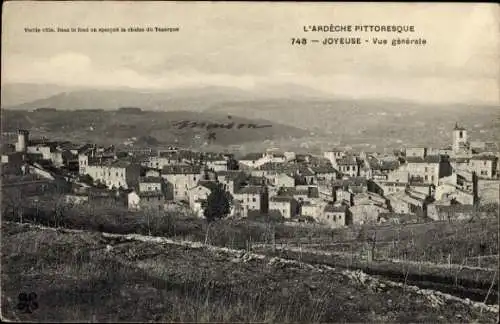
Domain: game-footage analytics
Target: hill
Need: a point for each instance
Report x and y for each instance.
(194, 98)
(114, 127)
(383, 123)
(14, 94)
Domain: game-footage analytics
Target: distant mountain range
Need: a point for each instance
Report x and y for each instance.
(327, 119)
(30, 96)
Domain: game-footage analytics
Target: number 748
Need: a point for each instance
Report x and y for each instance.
(299, 41)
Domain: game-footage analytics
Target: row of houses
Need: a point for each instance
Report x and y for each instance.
(339, 188)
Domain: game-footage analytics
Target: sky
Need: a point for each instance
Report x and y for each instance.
(248, 44)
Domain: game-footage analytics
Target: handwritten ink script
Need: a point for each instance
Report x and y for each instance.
(208, 125)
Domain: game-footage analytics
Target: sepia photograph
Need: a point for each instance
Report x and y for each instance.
(250, 162)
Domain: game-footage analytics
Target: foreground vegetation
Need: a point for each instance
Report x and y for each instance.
(463, 242)
(89, 277)
(368, 248)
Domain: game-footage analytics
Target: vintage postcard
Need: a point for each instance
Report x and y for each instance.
(249, 162)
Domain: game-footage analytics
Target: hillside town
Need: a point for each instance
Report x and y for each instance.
(340, 188)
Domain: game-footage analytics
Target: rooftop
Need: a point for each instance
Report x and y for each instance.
(391, 183)
(307, 172)
(335, 209)
(181, 169)
(210, 185)
(427, 159)
(230, 174)
(389, 165)
(251, 157)
(254, 190)
(355, 181)
(270, 166)
(459, 159)
(151, 179)
(281, 199)
(484, 158)
(455, 208)
(323, 169)
(110, 162)
(150, 194)
(348, 160)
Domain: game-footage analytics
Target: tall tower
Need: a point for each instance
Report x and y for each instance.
(22, 140)
(459, 138)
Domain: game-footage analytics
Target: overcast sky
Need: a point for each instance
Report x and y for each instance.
(244, 44)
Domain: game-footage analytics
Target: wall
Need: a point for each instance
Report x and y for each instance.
(416, 151)
(363, 214)
(249, 201)
(429, 172)
(488, 191)
(150, 186)
(286, 209)
(217, 165)
(83, 162)
(333, 219)
(181, 183)
(483, 168)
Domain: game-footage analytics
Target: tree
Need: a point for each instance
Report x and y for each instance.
(217, 206)
(87, 179)
(13, 199)
(232, 164)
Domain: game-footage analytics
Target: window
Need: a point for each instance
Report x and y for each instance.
(116, 174)
(159, 198)
(461, 135)
(253, 199)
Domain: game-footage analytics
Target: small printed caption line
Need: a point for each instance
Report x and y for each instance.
(343, 41)
(131, 29)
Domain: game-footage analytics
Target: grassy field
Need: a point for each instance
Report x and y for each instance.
(88, 277)
(439, 243)
(460, 242)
